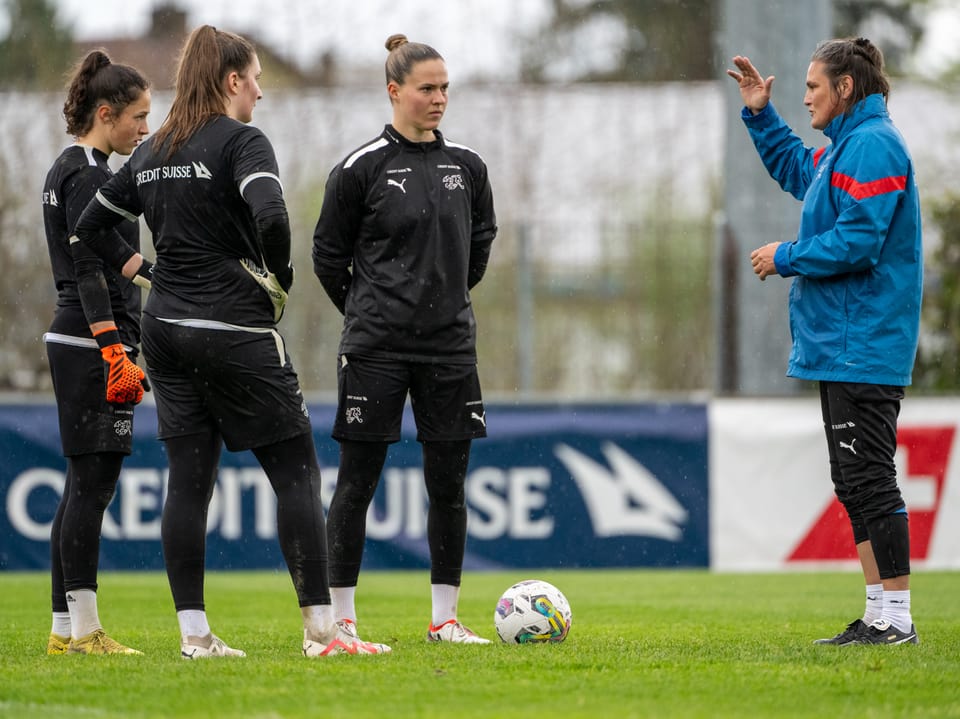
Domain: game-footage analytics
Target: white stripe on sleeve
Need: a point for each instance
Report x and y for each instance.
(112, 207)
(256, 176)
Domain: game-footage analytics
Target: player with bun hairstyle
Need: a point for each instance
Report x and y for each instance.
(404, 234)
(208, 186)
(92, 343)
(857, 261)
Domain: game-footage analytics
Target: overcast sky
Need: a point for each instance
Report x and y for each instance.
(473, 35)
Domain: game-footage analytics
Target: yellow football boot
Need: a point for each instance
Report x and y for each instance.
(57, 644)
(98, 643)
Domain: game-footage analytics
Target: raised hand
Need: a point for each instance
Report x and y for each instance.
(754, 90)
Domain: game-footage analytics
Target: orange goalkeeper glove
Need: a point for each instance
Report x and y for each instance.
(123, 378)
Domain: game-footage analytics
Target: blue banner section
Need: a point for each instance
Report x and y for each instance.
(553, 485)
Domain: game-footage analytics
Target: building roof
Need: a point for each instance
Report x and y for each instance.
(155, 53)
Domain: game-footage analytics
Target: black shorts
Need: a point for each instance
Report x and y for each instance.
(445, 399)
(88, 423)
(210, 376)
(860, 421)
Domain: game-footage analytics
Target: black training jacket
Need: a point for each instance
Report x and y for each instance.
(71, 183)
(404, 233)
(207, 207)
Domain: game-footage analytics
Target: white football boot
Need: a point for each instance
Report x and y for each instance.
(207, 647)
(346, 641)
(453, 631)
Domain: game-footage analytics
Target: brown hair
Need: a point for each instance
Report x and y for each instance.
(861, 60)
(404, 55)
(96, 81)
(208, 56)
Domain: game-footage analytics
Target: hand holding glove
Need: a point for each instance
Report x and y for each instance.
(125, 381)
(144, 276)
(275, 285)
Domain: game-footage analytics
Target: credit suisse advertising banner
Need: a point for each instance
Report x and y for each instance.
(553, 485)
(733, 484)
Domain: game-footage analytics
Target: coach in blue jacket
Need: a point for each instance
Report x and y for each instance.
(855, 299)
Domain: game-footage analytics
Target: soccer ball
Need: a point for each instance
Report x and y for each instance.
(532, 612)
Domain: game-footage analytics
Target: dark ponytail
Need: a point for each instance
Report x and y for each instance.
(96, 81)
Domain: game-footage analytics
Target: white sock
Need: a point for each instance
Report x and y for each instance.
(61, 624)
(343, 603)
(84, 619)
(896, 609)
(444, 598)
(874, 608)
(193, 623)
(318, 623)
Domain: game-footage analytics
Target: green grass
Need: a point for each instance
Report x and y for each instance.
(643, 644)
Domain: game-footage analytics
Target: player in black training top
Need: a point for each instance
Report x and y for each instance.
(404, 234)
(106, 111)
(208, 185)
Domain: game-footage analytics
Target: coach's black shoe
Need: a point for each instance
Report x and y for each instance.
(850, 635)
(883, 632)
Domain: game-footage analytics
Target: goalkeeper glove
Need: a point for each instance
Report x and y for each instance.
(275, 286)
(144, 276)
(123, 378)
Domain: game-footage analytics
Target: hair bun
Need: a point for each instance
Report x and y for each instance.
(395, 41)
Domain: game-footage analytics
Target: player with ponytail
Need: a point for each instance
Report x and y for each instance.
(92, 342)
(208, 185)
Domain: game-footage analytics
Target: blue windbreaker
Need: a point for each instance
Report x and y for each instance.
(857, 259)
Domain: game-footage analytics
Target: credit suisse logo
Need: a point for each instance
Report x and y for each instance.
(923, 457)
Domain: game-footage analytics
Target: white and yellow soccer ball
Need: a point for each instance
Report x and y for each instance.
(532, 612)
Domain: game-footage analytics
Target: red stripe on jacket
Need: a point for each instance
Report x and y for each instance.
(817, 155)
(863, 190)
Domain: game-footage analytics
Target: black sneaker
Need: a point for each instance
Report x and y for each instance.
(882, 632)
(850, 635)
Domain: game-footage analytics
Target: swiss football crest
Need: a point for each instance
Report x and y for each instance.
(453, 182)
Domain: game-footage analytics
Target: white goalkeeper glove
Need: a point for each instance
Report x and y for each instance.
(144, 276)
(271, 285)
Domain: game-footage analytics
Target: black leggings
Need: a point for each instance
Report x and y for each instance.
(294, 473)
(75, 534)
(444, 471)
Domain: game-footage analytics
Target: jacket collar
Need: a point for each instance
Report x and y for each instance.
(868, 107)
(391, 134)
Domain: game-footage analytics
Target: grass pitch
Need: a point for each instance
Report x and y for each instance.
(643, 644)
